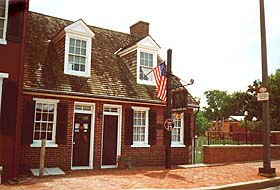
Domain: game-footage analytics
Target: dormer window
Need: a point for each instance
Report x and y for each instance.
(3, 20)
(146, 66)
(77, 59)
(77, 55)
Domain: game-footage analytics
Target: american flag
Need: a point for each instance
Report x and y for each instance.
(161, 80)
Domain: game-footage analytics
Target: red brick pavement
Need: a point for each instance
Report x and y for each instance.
(155, 178)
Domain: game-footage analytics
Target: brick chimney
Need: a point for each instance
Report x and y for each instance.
(140, 29)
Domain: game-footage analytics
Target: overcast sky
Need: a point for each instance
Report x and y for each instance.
(214, 42)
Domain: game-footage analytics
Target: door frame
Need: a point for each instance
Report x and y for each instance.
(119, 114)
(91, 145)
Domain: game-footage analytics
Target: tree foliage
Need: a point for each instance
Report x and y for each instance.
(202, 123)
(221, 104)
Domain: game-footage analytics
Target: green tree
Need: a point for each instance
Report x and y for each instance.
(202, 123)
(218, 104)
(274, 100)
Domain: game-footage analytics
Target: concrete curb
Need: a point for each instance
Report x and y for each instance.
(250, 185)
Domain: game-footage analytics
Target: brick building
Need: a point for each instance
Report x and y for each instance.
(89, 93)
(12, 28)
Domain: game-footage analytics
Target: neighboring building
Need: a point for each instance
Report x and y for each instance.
(12, 28)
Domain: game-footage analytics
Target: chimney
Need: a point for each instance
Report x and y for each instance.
(140, 29)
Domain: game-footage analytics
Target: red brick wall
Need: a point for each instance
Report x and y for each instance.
(214, 154)
(61, 156)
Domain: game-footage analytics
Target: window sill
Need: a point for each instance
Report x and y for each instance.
(48, 144)
(3, 42)
(178, 145)
(141, 145)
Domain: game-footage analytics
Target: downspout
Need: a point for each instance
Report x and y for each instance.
(20, 90)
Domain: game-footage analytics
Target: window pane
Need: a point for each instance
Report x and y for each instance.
(37, 135)
(50, 127)
(45, 117)
(50, 118)
(37, 126)
(43, 135)
(43, 127)
(49, 136)
(78, 51)
(71, 49)
(82, 68)
(84, 44)
(72, 42)
(71, 58)
(83, 52)
(51, 108)
(78, 43)
(38, 116)
(83, 60)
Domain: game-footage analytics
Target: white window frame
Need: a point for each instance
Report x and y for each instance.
(3, 38)
(181, 142)
(49, 143)
(85, 73)
(145, 142)
(154, 53)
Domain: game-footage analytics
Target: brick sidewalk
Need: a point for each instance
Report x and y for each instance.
(153, 178)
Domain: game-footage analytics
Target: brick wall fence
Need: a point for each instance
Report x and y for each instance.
(213, 154)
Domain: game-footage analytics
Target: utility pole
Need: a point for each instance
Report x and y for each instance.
(168, 111)
(266, 171)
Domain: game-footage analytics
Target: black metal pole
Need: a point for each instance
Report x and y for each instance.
(266, 170)
(168, 112)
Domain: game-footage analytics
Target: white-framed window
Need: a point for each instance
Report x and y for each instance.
(3, 20)
(77, 55)
(177, 139)
(140, 126)
(45, 122)
(146, 61)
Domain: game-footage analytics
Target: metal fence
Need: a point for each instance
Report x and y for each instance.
(237, 138)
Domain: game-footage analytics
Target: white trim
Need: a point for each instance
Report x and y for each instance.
(140, 145)
(154, 53)
(109, 167)
(79, 28)
(174, 145)
(181, 143)
(43, 100)
(91, 145)
(87, 71)
(49, 143)
(119, 133)
(145, 143)
(4, 40)
(2, 76)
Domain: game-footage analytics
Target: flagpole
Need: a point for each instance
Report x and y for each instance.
(168, 112)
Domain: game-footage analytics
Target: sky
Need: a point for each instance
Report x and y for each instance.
(215, 42)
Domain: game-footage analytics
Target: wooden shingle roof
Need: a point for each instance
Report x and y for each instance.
(110, 77)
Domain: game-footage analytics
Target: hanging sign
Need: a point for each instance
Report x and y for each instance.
(169, 124)
(262, 94)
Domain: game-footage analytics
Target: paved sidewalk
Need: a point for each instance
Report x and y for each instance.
(231, 176)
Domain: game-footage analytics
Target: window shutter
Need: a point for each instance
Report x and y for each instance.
(9, 107)
(187, 128)
(15, 21)
(152, 127)
(28, 122)
(61, 124)
(128, 126)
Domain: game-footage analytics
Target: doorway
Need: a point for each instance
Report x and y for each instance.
(82, 148)
(111, 136)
